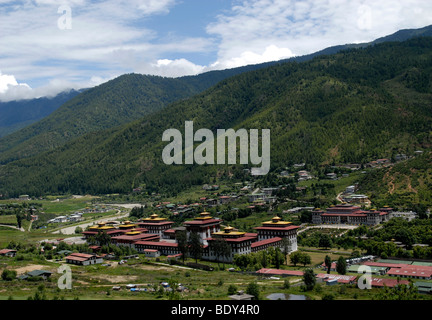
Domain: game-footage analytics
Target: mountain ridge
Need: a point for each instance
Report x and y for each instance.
(68, 121)
(353, 106)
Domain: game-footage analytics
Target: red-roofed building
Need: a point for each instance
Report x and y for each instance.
(155, 224)
(349, 214)
(83, 259)
(338, 277)
(151, 253)
(8, 252)
(165, 248)
(410, 271)
(381, 282)
(129, 239)
(204, 225)
(238, 241)
(278, 228)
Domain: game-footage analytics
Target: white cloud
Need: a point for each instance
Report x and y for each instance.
(8, 82)
(11, 90)
(174, 68)
(109, 38)
(303, 27)
(271, 53)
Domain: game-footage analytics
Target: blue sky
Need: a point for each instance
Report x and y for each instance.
(107, 38)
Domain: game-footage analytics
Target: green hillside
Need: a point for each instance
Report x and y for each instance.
(131, 97)
(406, 182)
(15, 115)
(354, 106)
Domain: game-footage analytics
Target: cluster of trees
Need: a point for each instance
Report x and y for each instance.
(315, 239)
(271, 257)
(299, 257)
(192, 246)
(22, 211)
(381, 242)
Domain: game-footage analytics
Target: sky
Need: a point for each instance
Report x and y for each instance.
(48, 46)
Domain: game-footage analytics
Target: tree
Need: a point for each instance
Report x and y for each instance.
(295, 257)
(254, 290)
(195, 246)
(8, 275)
(398, 292)
(221, 248)
(328, 262)
(325, 241)
(102, 238)
(182, 243)
(309, 279)
(285, 248)
(278, 258)
(19, 217)
(305, 259)
(341, 265)
(232, 289)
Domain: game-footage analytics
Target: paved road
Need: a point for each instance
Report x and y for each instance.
(330, 226)
(71, 230)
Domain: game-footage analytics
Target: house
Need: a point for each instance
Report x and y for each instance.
(35, 273)
(83, 259)
(241, 296)
(8, 253)
(350, 189)
(332, 176)
(338, 277)
(423, 287)
(152, 253)
(76, 217)
(40, 273)
(58, 219)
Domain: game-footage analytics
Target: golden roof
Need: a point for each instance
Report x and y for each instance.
(133, 232)
(204, 215)
(229, 230)
(101, 227)
(277, 220)
(154, 217)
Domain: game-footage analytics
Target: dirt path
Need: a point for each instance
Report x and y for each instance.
(13, 227)
(29, 268)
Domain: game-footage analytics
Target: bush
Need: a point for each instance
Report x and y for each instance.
(8, 275)
(254, 290)
(328, 296)
(286, 284)
(232, 289)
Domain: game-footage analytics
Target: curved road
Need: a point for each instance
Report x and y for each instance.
(71, 229)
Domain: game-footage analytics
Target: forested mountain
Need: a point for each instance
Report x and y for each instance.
(116, 102)
(131, 97)
(15, 115)
(354, 106)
